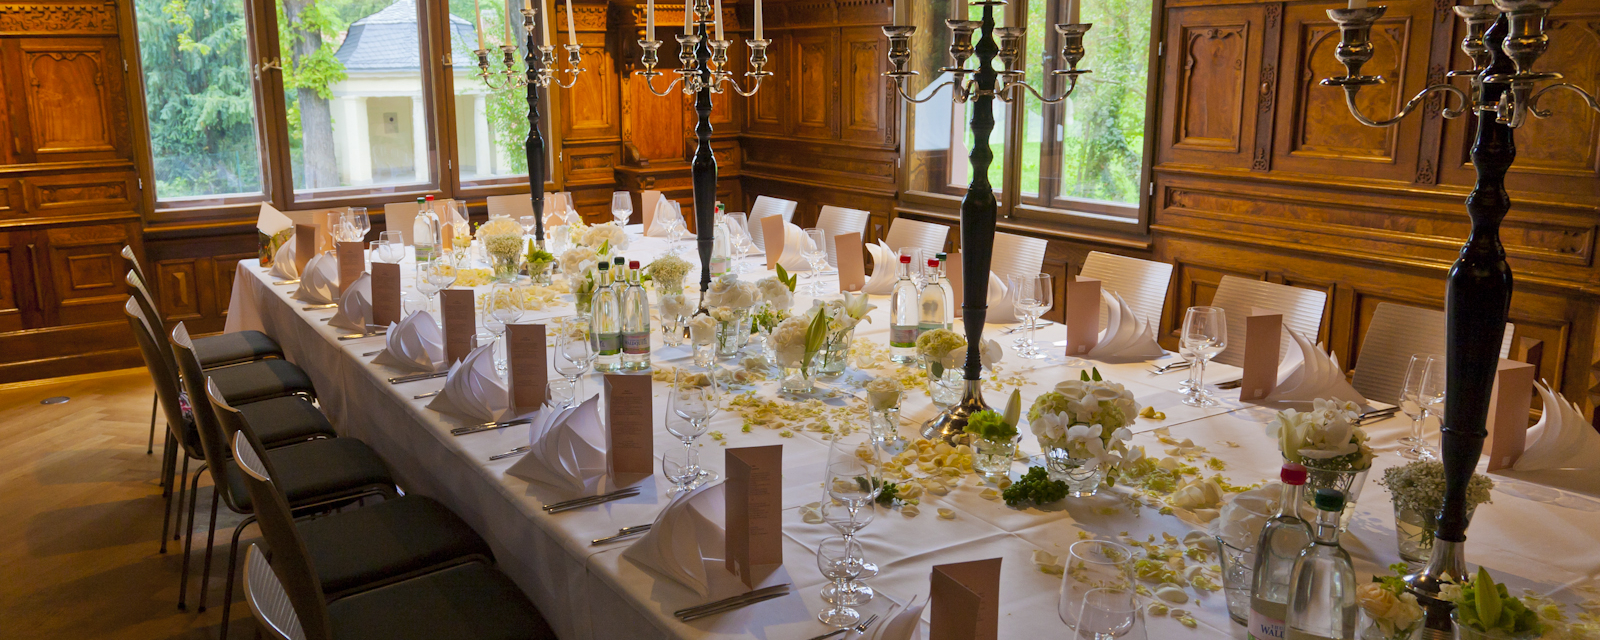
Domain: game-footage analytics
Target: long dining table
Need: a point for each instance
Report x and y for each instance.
(1541, 532)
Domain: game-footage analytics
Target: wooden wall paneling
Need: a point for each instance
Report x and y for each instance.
(12, 293)
(75, 102)
(654, 128)
(58, 194)
(765, 111)
(87, 272)
(1267, 94)
(864, 107)
(814, 84)
(1210, 78)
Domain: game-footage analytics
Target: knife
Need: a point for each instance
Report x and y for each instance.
(731, 606)
(597, 500)
(315, 307)
(418, 376)
(358, 336)
(777, 588)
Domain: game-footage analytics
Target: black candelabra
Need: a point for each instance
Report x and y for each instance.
(980, 209)
(1503, 40)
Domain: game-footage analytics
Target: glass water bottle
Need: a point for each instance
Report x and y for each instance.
(903, 316)
(635, 323)
(605, 323)
(1322, 593)
(1283, 536)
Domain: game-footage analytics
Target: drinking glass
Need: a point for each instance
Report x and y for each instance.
(815, 252)
(680, 468)
(573, 351)
(1110, 614)
(738, 240)
(1411, 404)
(1033, 296)
(695, 397)
(621, 207)
(501, 307)
(1090, 565)
(359, 222)
(839, 516)
(1431, 397)
(561, 393)
(392, 246)
(529, 224)
(413, 302)
(835, 560)
(1205, 334)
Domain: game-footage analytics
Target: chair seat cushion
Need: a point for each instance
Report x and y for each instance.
(258, 381)
(314, 471)
(286, 419)
(468, 601)
(235, 348)
(361, 547)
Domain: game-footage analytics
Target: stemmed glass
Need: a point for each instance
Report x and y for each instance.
(560, 393)
(1033, 296)
(1110, 614)
(621, 207)
(1091, 565)
(839, 516)
(1205, 334)
(738, 240)
(391, 247)
(1431, 396)
(695, 397)
(836, 559)
(436, 275)
(676, 229)
(502, 306)
(573, 354)
(815, 252)
(529, 224)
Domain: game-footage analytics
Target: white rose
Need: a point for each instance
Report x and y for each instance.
(991, 354)
(578, 259)
(1393, 612)
(789, 341)
(776, 294)
(673, 306)
(703, 329)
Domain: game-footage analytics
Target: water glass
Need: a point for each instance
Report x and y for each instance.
(621, 207)
(1110, 614)
(561, 393)
(681, 468)
(1411, 404)
(815, 252)
(836, 558)
(1238, 574)
(695, 396)
(1431, 397)
(529, 224)
(847, 523)
(1032, 295)
(1205, 334)
(1092, 564)
(502, 306)
(573, 354)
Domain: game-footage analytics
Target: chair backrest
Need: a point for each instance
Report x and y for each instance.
(213, 443)
(1241, 298)
(1015, 255)
(162, 374)
(230, 421)
(1395, 333)
(514, 206)
(905, 232)
(291, 563)
(768, 206)
(399, 216)
(649, 199)
(152, 315)
(133, 260)
(267, 598)
(1141, 283)
(835, 221)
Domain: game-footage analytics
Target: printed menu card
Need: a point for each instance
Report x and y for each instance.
(852, 272)
(386, 294)
(1262, 335)
(460, 323)
(1083, 315)
(525, 365)
(754, 511)
(629, 451)
(965, 598)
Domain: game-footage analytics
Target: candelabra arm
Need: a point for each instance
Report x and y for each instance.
(574, 66)
(1533, 100)
(649, 83)
(754, 86)
(1411, 105)
(1008, 95)
(900, 85)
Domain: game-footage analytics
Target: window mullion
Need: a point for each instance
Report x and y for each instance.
(276, 170)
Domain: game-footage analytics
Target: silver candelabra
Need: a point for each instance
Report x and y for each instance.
(1009, 80)
(714, 74)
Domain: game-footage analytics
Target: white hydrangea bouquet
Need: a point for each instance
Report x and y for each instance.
(502, 241)
(729, 301)
(1083, 427)
(1325, 437)
(608, 234)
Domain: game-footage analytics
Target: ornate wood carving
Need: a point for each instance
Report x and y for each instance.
(67, 99)
(1210, 109)
(1322, 124)
(58, 17)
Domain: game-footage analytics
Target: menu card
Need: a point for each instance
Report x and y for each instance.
(1083, 315)
(325, 221)
(352, 261)
(460, 323)
(447, 235)
(952, 272)
(1509, 403)
(772, 235)
(386, 293)
(525, 366)
(965, 598)
(1262, 335)
(852, 273)
(754, 510)
(628, 420)
(305, 245)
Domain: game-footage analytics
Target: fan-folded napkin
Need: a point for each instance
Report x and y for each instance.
(1562, 439)
(355, 308)
(905, 625)
(1308, 374)
(473, 388)
(666, 212)
(885, 262)
(566, 447)
(687, 534)
(283, 261)
(795, 244)
(1126, 334)
(320, 282)
(413, 343)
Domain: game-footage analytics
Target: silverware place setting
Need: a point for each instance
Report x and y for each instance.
(487, 426)
(1231, 384)
(625, 532)
(728, 604)
(369, 354)
(858, 629)
(589, 501)
(358, 336)
(314, 307)
(1176, 365)
(1376, 414)
(284, 282)
(429, 394)
(510, 454)
(1024, 327)
(418, 376)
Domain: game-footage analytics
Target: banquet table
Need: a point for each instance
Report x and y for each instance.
(1541, 532)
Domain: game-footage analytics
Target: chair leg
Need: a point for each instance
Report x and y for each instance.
(150, 447)
(233, 564)
(188, 541)
(166, 514)
(166, 465)
(211, 536)
(183, 479)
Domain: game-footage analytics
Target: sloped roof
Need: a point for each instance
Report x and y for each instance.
(387, 40)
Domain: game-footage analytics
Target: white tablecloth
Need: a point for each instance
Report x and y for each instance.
(1533, 535)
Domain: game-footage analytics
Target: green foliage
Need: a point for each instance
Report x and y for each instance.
(788, 280)
(1036, 487)
(1087, 377)
(887, 492)
(1487, 606)
(991, 426)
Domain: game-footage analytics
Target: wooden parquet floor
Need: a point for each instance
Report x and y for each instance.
(80, 519)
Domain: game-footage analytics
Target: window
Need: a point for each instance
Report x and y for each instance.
(1085, 155)
(491, 124)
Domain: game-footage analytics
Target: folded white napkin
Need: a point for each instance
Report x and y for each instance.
(320, 282)
(905, 625)
(473, 388)
(1126, 334)
(567, 447)
(355, 308)
(687, 534)
(271, 221)
(885, 269)
(1308, 374)
(413, 343)
(666, 212)
(795, 244)
(283, 261)
(1562, 439)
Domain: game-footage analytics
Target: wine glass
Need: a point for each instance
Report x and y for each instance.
(738, 239)
(621, 207)
(1110, 614)
(413, 302)
(573, 351)
(529, 224)
(561, 393)
(1431, 396)
(392, 246)
(1032, 296)
(695, 397)
(815, 252)
(836, 560)
(1205, 334)
(502, 306)
(839, 516)
(1090, 565)
(359, 222)
(1411, 404)
(678, 465)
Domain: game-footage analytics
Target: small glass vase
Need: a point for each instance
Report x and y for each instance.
(885, 424)
(798, 380)
(1464, 632)
(1238, 577)
(540, 274)
(1372, 631)
(733, 334)
(671, 330)
(1083, 477)
(1346, 480)
(705, 354)
(993, 458)
(505, 267)
(836, 353)
(944, 383)
(1413, 532)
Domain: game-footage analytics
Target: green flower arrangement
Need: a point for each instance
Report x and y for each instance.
(538, 260)
(935, 345)
(994, 426)
(1488, 607)
(667, 272)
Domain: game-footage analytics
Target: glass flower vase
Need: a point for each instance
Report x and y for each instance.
(705, 354)
(733, 334)
(992, 458)
(671, 330)
(944, 383)
(505, 267)
(885, 424)
(1083, 476)
(1413, 532)
(1464, 632)
(836, 353)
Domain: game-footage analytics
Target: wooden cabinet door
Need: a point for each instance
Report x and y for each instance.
(68, 101)
(814, 83)
(17, 308)
(1213, 65)
(84, 273)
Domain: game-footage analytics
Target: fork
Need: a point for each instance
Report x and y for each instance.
(859, 629)
(514, 452)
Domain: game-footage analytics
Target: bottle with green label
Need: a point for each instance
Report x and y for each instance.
(903, 316)
(605, 322)
(1283, 536)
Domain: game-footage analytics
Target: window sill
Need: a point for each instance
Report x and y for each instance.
(1056, 224)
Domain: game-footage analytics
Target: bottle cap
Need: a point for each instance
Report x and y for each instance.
(1293, 473)
(617, 260)
(633, 264)
(905, 259)
(603, 266)
(940, 255)
(933, 262)
(430, 198)
(1329, 499)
